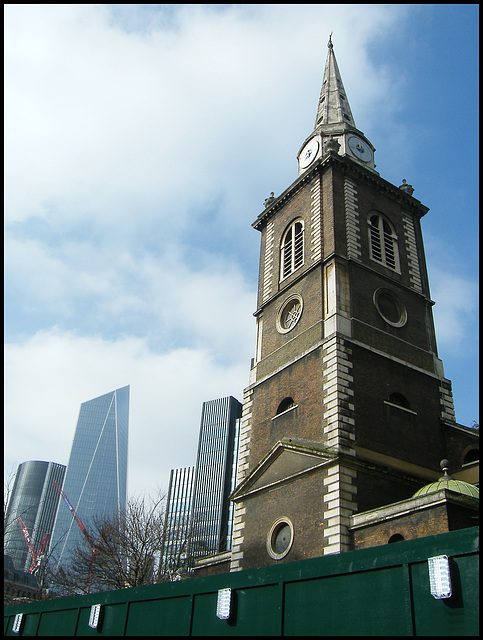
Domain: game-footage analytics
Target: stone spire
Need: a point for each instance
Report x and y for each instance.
(335, 131)
(333, 108)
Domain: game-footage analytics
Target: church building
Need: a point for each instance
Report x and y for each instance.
(347, 407)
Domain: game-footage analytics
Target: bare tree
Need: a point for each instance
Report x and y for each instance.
(120, 552)
(8, 482)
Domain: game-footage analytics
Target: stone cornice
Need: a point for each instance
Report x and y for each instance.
(354, 170)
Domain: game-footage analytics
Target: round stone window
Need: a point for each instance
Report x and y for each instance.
(390, 307)
(289, 313)
(280, 538)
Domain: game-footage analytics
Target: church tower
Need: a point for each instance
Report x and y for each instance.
(347, 407)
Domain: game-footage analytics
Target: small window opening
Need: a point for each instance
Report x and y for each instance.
(472, 456)
(285, 405)
(396, 537)
(399, 400)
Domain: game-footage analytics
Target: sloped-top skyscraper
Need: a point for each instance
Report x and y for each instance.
(96, 477)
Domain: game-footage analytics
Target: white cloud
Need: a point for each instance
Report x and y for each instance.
(102, 120)
(454, 288)
(140, 143)
(49, 375)
(160, 297)
(455, 311)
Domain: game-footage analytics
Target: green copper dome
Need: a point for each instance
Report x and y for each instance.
(458, 486)
(447, 482)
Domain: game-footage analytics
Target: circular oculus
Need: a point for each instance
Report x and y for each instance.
(280, 538)
(289, 314)
(390, 307)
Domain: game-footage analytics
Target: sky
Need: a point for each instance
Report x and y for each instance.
(140, 144)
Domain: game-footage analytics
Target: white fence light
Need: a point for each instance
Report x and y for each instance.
(439, 577)
(17, 623)
(95, 616)
(223, 605)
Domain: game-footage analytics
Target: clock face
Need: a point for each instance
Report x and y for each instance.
(360, 149)
(309, 153)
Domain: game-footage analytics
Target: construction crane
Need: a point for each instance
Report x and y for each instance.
(96, 547)
(37, 556)
(75, 516)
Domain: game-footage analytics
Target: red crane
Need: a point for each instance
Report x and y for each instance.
(96, 547)
(75, 516)
(37, 556)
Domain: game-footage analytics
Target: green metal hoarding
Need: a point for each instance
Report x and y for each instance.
(379, 591)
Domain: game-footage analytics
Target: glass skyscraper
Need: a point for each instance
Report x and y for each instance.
(199, 513)
(178, 519)
(96, 479)
(34, 499)
(214, 475)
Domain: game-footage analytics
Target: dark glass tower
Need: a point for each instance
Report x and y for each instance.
(34, 499)
(199, 513)
(96, 478)
(178, 519)
(214, 477)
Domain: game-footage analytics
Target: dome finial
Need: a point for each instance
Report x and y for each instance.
(444, 464)
(447, 482)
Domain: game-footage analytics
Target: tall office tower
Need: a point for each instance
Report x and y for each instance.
(217, 455)
(347, 407)
(96, 479)
(34, 499)
(177, 524)
(199, 513)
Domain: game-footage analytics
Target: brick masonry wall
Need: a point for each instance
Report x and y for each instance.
(411, 526)
(301, 500)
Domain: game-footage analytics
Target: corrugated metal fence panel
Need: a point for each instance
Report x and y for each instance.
(378, 591)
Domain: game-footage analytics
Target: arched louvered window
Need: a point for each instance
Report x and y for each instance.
(292, 249)
(383, 242)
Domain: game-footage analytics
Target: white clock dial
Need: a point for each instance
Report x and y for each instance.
(309, 153)
(360, 149)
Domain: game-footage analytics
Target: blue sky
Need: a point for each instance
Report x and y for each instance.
(140, 144)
